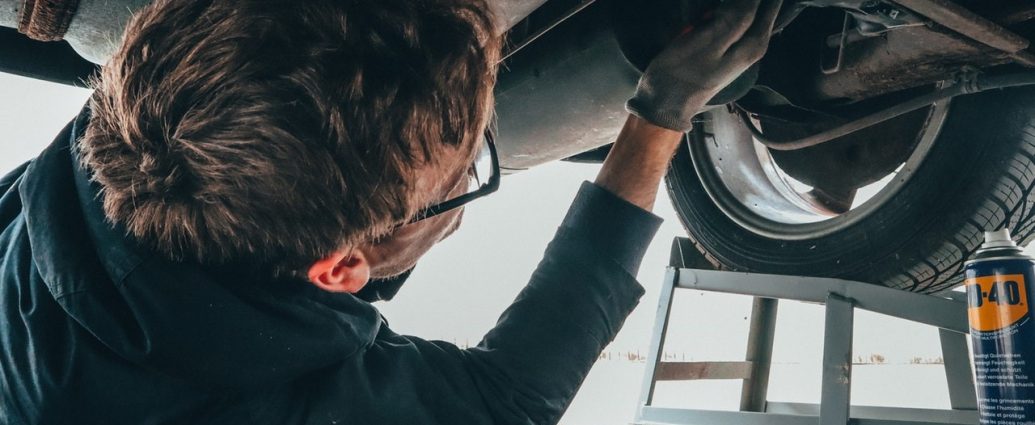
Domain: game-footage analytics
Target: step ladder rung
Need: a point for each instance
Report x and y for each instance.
(693, 371)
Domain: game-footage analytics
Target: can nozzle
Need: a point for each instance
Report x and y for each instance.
(998, 239)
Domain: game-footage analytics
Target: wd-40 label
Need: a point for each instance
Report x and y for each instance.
(1004, 339)
(996, 302)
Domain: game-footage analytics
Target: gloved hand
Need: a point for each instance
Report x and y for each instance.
(702, 61)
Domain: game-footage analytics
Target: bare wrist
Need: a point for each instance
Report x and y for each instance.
(638, 160)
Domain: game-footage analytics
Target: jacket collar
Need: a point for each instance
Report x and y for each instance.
(58, 222)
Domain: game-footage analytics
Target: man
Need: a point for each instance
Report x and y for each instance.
(197, 245)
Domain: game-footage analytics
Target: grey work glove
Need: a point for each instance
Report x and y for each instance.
(693, 68)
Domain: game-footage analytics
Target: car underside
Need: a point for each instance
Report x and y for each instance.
(832, 62)
(875, 141)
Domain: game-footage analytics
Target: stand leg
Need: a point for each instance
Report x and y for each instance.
(958, 373)
(759, 353)
(657, 344)
(837, 361)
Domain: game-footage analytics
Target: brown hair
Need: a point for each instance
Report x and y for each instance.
(278, 131)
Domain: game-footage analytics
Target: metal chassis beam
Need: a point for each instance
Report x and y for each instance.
(929, 310)
(972, 26)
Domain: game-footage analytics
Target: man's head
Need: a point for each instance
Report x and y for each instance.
(279, 132)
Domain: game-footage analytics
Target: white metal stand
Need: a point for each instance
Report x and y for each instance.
(841, 297)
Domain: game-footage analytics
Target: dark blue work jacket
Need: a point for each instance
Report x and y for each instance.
(96, 329)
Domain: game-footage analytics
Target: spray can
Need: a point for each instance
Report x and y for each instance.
(998, 279)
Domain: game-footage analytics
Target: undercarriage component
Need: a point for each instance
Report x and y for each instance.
(530, 29)
(1015, 14)
(899, 60)
(570, 84)
(952, 16)
(644, 29)
(975, 85)
(869, 67)
(55, 61)
(866, 54)
(873, 17)
(58, 62)
(510, 12)
(563, 94)
(835, 171)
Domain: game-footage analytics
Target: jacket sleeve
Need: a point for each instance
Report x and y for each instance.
(10, 201)
(527, 369)
(12, 176)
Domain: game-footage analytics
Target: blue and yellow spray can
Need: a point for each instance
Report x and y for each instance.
(998, 279)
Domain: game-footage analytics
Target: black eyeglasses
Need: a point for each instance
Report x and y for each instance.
(485, 179)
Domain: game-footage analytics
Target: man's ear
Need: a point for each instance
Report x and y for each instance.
(343, 271)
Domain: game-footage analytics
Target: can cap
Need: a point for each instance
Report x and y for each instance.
(998, 239)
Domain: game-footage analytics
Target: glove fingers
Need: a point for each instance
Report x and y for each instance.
(755, 41)
(731, 21)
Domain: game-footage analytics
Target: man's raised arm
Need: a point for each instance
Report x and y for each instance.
(529, 366)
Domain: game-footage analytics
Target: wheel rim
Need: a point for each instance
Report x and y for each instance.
(744, 181)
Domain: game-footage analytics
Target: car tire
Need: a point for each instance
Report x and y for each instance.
(977, 175)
